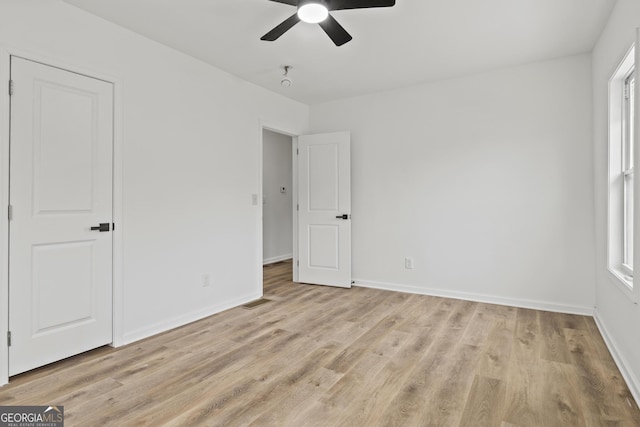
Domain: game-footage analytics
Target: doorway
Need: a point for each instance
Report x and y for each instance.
(277, 197)
(320, 205)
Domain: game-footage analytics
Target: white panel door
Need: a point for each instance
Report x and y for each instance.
(60, 271)
(324, 217)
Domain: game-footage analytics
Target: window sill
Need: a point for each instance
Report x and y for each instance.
(624, 282)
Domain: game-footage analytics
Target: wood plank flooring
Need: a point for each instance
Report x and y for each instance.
(321, 356)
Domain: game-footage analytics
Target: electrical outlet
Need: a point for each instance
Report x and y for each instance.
(408, 263)
(206, 280)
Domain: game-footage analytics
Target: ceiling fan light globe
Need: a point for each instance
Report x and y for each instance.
(313, 13)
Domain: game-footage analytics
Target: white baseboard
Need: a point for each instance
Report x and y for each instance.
(184, 319)
(633, 382)
(467, 296)
(275, 259)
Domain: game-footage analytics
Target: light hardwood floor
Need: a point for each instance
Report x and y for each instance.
(333, 357)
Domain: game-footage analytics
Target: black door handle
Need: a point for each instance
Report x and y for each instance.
(345, 216)
(104, 226)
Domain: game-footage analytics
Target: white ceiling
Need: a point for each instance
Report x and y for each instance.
(413, 42)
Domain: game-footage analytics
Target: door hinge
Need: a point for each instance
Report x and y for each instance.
(10, 87)
(626, 91)
(9, 338)
(297, 207)
(297, 151)
(10, 212)
(298, 263)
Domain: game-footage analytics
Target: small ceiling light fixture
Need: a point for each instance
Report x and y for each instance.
(312, 11)
(286, 80)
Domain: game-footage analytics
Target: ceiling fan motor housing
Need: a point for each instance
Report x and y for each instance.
(303, 2)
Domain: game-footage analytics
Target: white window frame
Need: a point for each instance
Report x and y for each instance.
(621, 147)
(627, 170)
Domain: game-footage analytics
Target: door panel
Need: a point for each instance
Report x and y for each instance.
(323, 253)
(60, 271)
(57, 135)
(324, 194)
(323, 178)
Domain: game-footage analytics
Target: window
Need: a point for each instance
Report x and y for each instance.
(627, 171)
(621, 171)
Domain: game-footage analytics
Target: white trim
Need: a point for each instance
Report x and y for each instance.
(118, 213)
(632, 381)
(468, 296)
(615, 189)
(636, 158)
(5, 69)
(278, 258)
(622, 283)
(627, 270)
(184, 319)
(118, 280)
(294, 205)
(260, 214)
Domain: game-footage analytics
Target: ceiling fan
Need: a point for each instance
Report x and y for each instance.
(317, 12)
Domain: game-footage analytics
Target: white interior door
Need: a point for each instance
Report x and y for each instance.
(60, 271)
(324, 217)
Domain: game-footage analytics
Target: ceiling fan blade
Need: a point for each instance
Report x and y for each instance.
(290, 2)
(281, 29)
(358, 4)
(335, 31)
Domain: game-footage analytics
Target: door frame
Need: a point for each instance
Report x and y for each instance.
(294, 199)
(117, 266)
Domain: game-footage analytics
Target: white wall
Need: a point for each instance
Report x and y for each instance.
(486, 181)
(277, 214)
(618, 316)
(191, 141)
